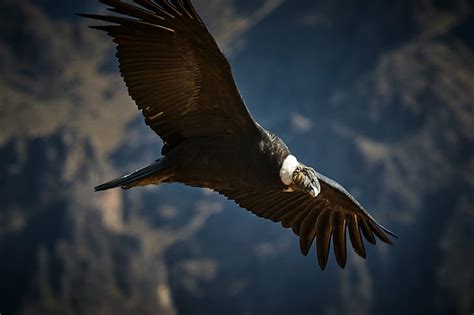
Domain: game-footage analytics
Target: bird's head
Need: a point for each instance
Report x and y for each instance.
(297, 176)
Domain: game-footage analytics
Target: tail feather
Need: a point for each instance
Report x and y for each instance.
(129, 179)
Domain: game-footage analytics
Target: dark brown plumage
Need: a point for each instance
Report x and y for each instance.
(183, 85)
(175, 71)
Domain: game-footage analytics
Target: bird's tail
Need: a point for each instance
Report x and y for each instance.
(150, 174)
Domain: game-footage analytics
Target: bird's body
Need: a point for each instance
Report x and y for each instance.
(217, 163)
(183, 84)
(211, 162)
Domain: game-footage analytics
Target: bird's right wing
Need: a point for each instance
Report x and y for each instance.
(175, 71)
(326, 216)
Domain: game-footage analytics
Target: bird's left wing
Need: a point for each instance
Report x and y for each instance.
(326, 216)
(175, 71)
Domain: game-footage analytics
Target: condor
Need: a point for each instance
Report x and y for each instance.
(183, 85)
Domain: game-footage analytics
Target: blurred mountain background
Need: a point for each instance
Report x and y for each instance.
(379, 95)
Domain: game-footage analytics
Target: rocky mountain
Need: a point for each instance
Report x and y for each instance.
(377, 95)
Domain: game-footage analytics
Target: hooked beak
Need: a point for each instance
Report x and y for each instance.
(313, 190)
(313, 187)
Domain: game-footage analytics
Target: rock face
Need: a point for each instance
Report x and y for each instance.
(378, 96)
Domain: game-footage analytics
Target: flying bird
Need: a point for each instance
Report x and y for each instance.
(183, 85)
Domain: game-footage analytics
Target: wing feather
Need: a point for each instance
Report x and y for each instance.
(172, 66)
(368, 234)
(378, 232)
(288, 217)
(298, 220)
(308, 231)
(289, 203)
(323, 237)
(354, 235)
(329, 216)
(296, 205)
(338, 221)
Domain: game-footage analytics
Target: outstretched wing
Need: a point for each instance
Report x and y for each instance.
(323, 218)
(175, 71)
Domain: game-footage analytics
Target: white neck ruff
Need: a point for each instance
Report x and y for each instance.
(287, 169)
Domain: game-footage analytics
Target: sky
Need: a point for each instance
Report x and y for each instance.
(375, 94)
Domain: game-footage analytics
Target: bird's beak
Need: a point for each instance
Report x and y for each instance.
(313, 190)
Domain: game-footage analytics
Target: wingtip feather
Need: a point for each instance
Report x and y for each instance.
(338, 223)
(323, 238)
(308, 232)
